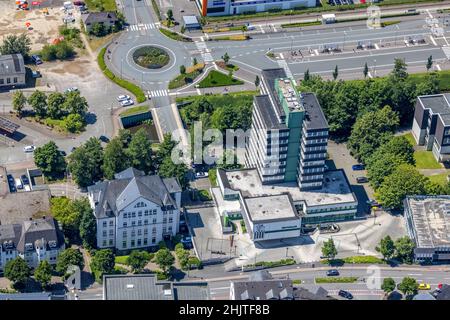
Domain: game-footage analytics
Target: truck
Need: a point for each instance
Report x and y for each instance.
(19, 184)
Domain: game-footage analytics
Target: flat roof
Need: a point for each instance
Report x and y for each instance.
(270, 208)
(430, 217)
(438, 104)
(190, 20)
(225, 205)
(314, 116)
(335, 189)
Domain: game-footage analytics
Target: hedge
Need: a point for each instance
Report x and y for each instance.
(134, 89)
(337, 280)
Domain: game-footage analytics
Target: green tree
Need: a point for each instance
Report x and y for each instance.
(85, 163)
(68, 214)
(329, 249)
(38, 101)
(365, 70)
(48, 52)
(74, 122)
(429, 63)
(16, 44)
(43, 273)
(335, 72)
(75, 103)
(194, 61)
(388, 285)
(50, 160)
(226, 58)
(429, 85)
(183, 256)
(169, 169)
(386, 248)
(164, 259)
(55, 108)
(19, 101)
(408, 286)
(399, 72)
(102, 263)
(381, 166)
(401, 147)
(88, 227)
(404, 249)
(257, 81)
(164, 150)
(69, 257)
(17, 271)
(137, 260)
(405, 180)
(115, 158)
(125, 136)
(306, 76)
(139, 151)
(371, 130)
(170, 15)
(182, 69)
(63, 50)
(99, 30)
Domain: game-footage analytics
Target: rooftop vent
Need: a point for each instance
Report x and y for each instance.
(130, 286)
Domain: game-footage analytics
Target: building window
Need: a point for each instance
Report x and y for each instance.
(133, 214)
(139, 222)
(111, 232)
(133, 243)
(140, 214)
(145, 222)
(145, 231)
(154, 211)
(145, 241)
(2, 81)
(170, 220)
(154, 230)
(124, 234)
(104, 243)
(139, 232)
(124, 244)
(15, 80)
(8, 80)
(125, 215)
(104, 224)
(111, 223)
(154, 220)
(125, 224)
(146, 213)
(164, 220)
(153, 240)
(139, 242)
(133, 233)
(110, 242)
(104, 233)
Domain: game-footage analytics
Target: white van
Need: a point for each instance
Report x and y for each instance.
(19, 184)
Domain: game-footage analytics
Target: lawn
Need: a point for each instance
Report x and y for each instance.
(410, 138)
(174, 36)
(96, 5)
(134, 110)
(426, 160)
(121, 259)
(337, 280)
(184, 79)
(355, 260)
(439, 178)
(218, 79)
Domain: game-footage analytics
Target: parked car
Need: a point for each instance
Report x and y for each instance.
(10, 178)
(19, 184)
(358, 166)
(362, 179)
(29, 148)
(103, 138)
(187, 242)
(24, 179)
(126, 103)
(373, 203)
(199, 175)
(424, 286)
(63, 153)
(79, 3)
(345, 294)
(35, 74)
(332, 272)
(123, 97)
(36, 59)
(71, 89)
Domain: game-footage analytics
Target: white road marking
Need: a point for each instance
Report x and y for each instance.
(199, 92)
(432, 40)
(158, 93)
(438, 67)
(281, 55)
(376, 47)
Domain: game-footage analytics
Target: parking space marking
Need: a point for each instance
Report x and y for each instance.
(432, 40)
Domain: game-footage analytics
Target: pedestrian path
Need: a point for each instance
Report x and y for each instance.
(142, 26)
(205, 52)
(158, 93)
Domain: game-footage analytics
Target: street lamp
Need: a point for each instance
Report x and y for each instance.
(374, 68)
(121, 67)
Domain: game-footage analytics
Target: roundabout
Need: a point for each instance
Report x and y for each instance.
(151, 57)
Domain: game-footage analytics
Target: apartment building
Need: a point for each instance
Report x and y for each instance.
(32, 240)
(431, 124)
(12, 70)
(135, 210)
(230, 7)
(289, 133)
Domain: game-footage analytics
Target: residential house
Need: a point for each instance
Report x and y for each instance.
(12, 70)
(106, 18)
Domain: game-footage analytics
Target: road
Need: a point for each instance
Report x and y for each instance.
(308, 43)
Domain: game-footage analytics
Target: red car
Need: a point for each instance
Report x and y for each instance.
(78, 3)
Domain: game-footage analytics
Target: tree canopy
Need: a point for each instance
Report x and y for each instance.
(50, 160)
(102, 263)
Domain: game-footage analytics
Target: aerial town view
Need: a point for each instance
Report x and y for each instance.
(225, 150)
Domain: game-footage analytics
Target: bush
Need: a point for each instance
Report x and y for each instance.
(337, 280)
(62, 50)
(121, 259)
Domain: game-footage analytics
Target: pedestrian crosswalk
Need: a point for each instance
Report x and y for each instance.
(142, 26)
(206, 53)
(158, 93)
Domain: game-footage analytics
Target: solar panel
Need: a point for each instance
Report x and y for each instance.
(7, 125)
